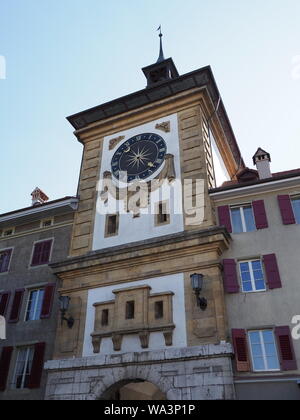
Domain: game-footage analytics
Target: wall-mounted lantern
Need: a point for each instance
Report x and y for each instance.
(197, 285)
(64, 306)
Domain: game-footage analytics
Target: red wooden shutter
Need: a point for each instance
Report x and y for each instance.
(286, 209)
(45, 254)
(272, 271)
(239, 338)
(37, 253)
(230, 277)
(224, 217)
(260, 214)
(285, 344)
(48, 300)
(4, 260)
(4, 366)
(37, 366)
(4, 301)
(16, 306)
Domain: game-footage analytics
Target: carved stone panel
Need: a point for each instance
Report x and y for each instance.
(133, 312)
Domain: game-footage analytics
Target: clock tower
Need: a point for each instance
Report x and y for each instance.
(144, 276)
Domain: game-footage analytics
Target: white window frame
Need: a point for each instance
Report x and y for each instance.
(34, 267)
(292, 198)
(36, 304)
(11, 255)
(47, 220)
(28, 350)
(262, 343)
(252, 275)
(241, 208)
(6, 230)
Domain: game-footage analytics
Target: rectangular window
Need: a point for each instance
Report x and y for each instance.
(5, 256)
(8, 232)
(159, 310)
(46, 223)
(296, 208)
(104, 318)
(111, 225)
(252, 276)
(41, 253)
(130, 310)
(23, 367)
(35, 304)
(242, 218)
(263, 351)
(162, 214)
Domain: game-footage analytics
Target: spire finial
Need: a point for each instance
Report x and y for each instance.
(161, 53)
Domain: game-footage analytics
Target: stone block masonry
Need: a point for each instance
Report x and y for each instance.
(192, 373)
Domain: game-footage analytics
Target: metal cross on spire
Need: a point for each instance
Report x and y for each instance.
(161, 53)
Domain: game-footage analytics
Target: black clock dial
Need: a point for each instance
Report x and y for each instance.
(140, 156)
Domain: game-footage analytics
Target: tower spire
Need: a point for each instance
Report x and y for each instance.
(161, 52)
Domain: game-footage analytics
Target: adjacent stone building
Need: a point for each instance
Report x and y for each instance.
(30, 238)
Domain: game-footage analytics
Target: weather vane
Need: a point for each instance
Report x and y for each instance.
(161, 53)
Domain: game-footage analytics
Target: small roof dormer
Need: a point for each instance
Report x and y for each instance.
(163, 70)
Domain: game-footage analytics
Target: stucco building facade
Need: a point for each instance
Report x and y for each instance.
(30, 238)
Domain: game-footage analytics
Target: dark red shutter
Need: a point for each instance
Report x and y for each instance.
(48, 300)
(286, 209)
(41, 253)
(230, 277)
(239, 339)
(46, 250)
(37, 366)
(260, 214)
(4, 366)
(37, 253)
(272, 271)
(4, 301)
(285, 344)
(224, 217)
(16, 306)
(4, 260)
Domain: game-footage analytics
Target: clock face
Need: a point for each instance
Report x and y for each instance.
(140, 156)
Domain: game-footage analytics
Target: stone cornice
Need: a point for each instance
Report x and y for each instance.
(197, 79)
(170, 246)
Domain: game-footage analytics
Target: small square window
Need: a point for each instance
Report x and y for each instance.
(8, 232)
(252, 276)
(130, 309)
(242, 218)
(46, 223)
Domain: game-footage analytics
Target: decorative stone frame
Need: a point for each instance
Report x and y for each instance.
(143, 323)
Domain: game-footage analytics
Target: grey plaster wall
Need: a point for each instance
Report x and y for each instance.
(273, 307)
(21, 275)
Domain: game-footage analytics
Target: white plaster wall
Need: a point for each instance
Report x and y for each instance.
(142, 228)
(173, 283)
(221, 173)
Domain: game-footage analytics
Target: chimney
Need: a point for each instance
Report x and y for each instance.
(38, 197)
(262, 161)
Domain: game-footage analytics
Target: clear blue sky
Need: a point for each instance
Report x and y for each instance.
(64, 56)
